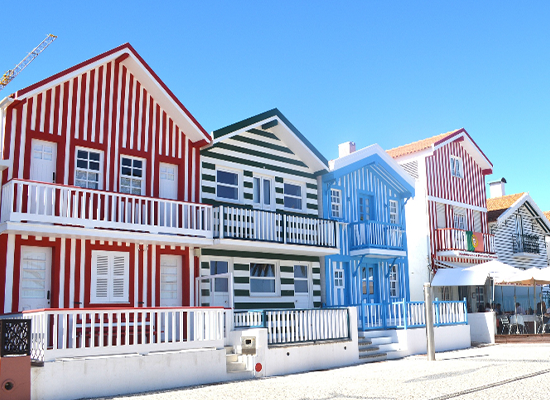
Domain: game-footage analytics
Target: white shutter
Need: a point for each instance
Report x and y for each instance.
(109, 277)
(477, 221)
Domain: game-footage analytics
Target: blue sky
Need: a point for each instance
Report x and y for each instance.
(389, 72)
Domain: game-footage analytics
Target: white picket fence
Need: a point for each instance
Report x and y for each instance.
(249, 224)
(410, 314)
(69, 205)
(294, 326)
(59, 333)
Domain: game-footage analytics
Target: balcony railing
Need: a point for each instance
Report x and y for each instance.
(457, 239)
(86, 332)
(410, 314)
(526, 244)
(69, 205)
(374, 234)
(267, 226)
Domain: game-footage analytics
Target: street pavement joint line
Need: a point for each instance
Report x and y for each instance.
(492, 385)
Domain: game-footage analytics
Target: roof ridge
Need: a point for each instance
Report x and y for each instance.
(419, 145)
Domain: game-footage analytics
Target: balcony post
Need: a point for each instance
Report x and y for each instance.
(284, 227)
(221, 222)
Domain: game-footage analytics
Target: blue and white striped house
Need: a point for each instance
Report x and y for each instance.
(366, 190)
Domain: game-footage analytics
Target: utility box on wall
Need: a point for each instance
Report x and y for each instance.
(15, 360)
(248, 345)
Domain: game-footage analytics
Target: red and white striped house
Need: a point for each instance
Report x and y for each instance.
(447, 219)
(100, 189)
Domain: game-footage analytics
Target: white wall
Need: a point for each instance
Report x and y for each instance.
(112, 375)
(482, 327)
(416, 213)
(455, 337)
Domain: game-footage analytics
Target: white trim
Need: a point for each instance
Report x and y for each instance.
(143, 177)
(191, 267)
(456, 203)
(72, 268)
(100, 172)
(110, 276)
(10, 260)
(240, 184)
(303, 195)
(467, 254)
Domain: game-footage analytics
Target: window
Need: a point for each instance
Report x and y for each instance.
(88, 169)
(336, 203)
(292, 196)
(456, 167)
(227, 185)
(394, 281)
(459, 221)
(338, 278)
(262, 192)
(262, 278)
(394, 215)
(110, 272)
(216, 268)
(364, 208)
(300, 279)
(132, 176)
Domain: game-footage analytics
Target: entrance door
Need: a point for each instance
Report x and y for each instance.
(168, 189)
(170, 281)
(369, 283)
(302, 287)
(44, 156)
(262, 193)
(339, 283)
(219, 287)
(35, 278)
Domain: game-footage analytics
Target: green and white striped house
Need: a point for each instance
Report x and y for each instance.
(260, 175)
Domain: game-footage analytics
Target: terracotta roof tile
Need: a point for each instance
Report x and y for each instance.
(503, 203)
(547, 215)
(417, 146)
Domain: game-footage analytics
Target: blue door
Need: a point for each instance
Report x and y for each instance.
(369, 283)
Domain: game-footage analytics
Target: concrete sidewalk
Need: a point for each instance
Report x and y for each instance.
(510, 371)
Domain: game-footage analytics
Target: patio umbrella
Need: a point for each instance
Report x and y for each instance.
(495, 269)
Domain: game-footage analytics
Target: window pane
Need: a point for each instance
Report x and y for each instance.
(292, 190)
(94, 156)
(82, 164)
(94, 165)
(227, 177)
(292, 202)
(228, 192)
(126, 171)
(267, 192)
(138, 164)
(300, 286)
(218, 267)
(256, 194)
(300, 271)
(262, 285)
(221, 285)
(137, 173)
(262, 270)
(126, 161)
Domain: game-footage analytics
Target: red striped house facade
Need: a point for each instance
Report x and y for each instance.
(448, 216)
(100, 190)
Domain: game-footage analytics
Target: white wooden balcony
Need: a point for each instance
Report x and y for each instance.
(292, 234)
(71, 206)
(459, 243)
(377, 239)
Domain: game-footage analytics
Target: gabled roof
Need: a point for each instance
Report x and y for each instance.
(380, 161)
(443, 139)
(127, 56)
(501, 208)
(275, 122)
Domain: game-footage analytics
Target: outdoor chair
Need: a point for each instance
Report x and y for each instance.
(504, 324)
(516, 321)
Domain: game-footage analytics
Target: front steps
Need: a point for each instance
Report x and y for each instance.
(377, 346)
(236, 363)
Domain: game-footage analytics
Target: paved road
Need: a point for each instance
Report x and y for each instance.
(508, 371)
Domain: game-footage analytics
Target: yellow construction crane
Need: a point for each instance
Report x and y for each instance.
(12, 73)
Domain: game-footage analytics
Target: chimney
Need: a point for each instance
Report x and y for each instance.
(346, 149)
(496, 189)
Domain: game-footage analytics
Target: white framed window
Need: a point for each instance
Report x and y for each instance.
(301, 279)
(459, 221)
(394, 281)
(262, 196)
(88, 170)
(110, 277)
(216, 268)
(227, 184)
(292, 196)
(394, 212)
(338, 278)
(456, 167)
(336, 203)
(262, 278)
(132, 175)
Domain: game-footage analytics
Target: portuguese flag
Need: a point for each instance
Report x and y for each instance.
(475, 241)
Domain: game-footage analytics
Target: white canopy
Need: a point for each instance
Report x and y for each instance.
(529, 277)
(495, 269)
(459, 277)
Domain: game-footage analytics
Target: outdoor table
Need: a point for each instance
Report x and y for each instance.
(531, 320)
